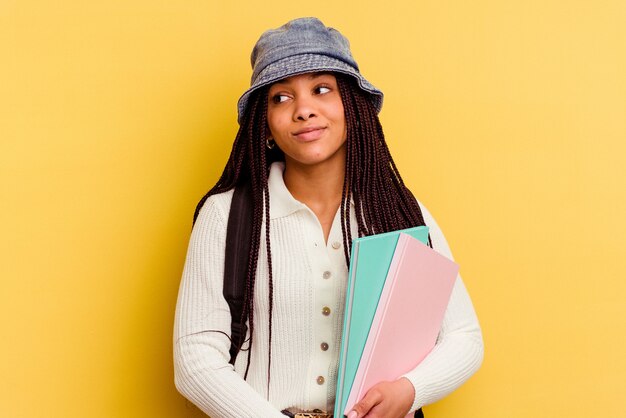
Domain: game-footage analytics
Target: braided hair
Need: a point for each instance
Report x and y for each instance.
(382, 202)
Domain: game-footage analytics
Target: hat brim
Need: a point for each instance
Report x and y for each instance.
(302, 64)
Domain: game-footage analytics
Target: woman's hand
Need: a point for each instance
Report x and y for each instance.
(386, 400)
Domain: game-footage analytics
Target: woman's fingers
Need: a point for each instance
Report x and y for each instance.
(372, 398)
(385, 400)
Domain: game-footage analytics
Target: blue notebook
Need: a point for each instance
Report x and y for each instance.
(369, 263)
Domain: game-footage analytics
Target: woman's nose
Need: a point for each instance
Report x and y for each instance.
(304, 109)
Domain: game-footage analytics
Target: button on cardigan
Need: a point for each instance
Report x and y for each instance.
(310, 277)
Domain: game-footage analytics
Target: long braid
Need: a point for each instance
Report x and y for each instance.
(268, 248)
(372, 183)
(382, 202)
(256, 177)
(249, 162)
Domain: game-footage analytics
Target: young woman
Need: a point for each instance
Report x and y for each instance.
(311, 147)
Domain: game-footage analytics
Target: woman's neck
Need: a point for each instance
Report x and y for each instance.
(319, 187)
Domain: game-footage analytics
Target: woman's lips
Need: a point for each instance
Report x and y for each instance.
(309, 134)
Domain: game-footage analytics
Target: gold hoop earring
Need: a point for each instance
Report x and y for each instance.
(270, 143)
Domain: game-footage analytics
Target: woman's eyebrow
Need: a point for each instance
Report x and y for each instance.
(311, 76)
(318, 74)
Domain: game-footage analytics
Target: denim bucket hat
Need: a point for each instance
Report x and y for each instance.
(301, 46)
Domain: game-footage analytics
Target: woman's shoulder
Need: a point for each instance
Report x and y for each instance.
(428, 217)
(436, 235)
(215, 208)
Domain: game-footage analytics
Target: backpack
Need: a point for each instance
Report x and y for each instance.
(238, 231)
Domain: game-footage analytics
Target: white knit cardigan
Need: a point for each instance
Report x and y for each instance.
(309, 277)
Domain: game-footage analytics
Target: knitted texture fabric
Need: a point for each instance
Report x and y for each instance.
(310, 277)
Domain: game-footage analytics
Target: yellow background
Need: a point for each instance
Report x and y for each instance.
(506, 118)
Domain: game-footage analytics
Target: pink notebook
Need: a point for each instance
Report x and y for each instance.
(408, 317)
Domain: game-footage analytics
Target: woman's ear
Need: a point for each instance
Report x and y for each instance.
(268, 132)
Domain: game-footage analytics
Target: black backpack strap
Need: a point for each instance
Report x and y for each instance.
(237, 253)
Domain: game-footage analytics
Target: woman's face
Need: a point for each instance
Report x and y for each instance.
(306, 119)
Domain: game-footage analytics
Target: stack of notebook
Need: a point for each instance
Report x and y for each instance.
(398, 291)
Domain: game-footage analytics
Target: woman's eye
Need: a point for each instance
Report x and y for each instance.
(279, 98)
(323, 90)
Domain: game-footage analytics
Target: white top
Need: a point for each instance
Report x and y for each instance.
(310, 278)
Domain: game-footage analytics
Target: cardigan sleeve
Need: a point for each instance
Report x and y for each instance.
(202, 326)
(458, 352)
